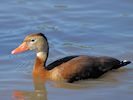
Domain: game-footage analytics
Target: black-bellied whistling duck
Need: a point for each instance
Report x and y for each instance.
(71, 68)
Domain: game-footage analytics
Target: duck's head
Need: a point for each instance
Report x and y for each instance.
(37, 42)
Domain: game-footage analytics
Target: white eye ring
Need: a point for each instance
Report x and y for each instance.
(33, 40)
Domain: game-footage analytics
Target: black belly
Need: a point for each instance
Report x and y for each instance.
(95, 68)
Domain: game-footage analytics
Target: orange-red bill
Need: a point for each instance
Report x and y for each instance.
(23, 47)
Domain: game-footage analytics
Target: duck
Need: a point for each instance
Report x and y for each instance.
(71, 68)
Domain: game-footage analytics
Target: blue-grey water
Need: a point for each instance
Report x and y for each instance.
(90, 27)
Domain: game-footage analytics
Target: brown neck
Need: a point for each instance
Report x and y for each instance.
(41, 58)
(40, 62)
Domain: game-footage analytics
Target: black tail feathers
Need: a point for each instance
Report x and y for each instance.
(124, 63)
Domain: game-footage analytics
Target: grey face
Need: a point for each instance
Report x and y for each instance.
(37, 43)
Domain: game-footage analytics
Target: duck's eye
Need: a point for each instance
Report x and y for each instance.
(33, 40)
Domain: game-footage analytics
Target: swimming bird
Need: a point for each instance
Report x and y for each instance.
(70, 68)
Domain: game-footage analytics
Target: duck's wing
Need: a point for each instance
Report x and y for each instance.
(59, 62)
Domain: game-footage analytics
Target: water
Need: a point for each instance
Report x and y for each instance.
(90, 27)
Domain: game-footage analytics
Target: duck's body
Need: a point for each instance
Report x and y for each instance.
(74, 68)
(71, 68)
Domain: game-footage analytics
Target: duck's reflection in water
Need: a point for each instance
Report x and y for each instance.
(39, 92)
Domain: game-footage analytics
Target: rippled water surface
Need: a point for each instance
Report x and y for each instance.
(91, 27)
